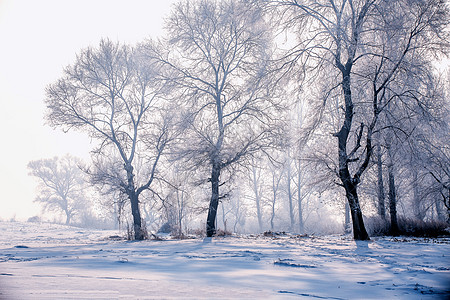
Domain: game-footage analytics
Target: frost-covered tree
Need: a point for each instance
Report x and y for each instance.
(360, 47)
(112, 93)
(219, 58)
(61, 185)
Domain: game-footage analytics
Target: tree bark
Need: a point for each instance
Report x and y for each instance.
(380, 185)
(349, 183)
(392, 201)
(272, 215)
(392, 193)
(289, 192)
(275, 185)
(418, 212)
(139, 233)
(439, 210)
(359, 230)
(258, 199)
(347, 228)
(274, 199)
(214, 203)
(299, 198)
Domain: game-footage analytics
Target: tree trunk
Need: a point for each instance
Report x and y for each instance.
(116, 216)
(275, 185)
(392, 201)
(139, 233)
(418, 212)
(359, 230)
(289, 192)
(380, 185)
(237, 213)
(299, 198)
(439, 206)
(180, 213)
(272, 216)
(258, 200)
(347, 228)
(65, 206)
(224, 218)
(349, 183)
(446, 202)
(214, 203)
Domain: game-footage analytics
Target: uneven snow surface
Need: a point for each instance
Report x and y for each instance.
(45, 261)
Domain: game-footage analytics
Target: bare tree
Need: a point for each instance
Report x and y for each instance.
(219, 59)
(61, 185)
(277, 175)
(112, 93)
(428, 161)
(257, 190)
(367, 42)
(380, 183)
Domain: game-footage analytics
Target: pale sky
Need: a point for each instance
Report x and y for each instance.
(37, 39)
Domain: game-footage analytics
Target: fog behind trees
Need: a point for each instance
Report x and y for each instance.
(248, 116)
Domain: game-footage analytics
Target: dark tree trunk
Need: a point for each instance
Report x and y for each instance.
(392, 193)
(359, 230)
(349, 183)
(380, 185)
(139, 233)
(299, 198)
(418, 211)
(392, 201)
(446, 200)
(214, 203)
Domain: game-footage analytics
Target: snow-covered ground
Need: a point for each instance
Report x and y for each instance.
(45, 261)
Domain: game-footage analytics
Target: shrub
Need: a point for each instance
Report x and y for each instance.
(419, 228)
(34, 219)
(221, 232)
(376, 226)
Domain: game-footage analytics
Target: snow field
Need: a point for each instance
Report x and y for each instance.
(47, 261)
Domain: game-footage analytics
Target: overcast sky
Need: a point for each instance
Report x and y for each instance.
(39, 38)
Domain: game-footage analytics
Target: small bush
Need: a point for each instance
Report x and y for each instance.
(201, 233)
(376, 226)
(165, 228)
(34, 219)
(419, 228)
(130, 231)
(221, 232)
(198, 232)
(270, 233)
